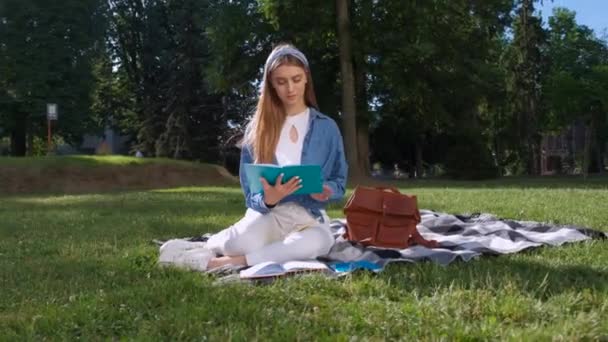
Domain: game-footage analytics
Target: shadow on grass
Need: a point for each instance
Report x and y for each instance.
(203, 201)
(133, 201)
(90, 161)
(189, 210)
(553, 182)
(497, 273)
(599, 182)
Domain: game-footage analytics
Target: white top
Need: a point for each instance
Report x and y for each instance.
(289, 148)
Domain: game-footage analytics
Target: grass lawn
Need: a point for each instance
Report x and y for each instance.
(82, 266)
(92, 174)
(84, 161)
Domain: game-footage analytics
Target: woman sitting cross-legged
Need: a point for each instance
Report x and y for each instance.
(286, 129)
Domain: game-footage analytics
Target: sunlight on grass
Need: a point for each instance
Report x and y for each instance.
(61, 200)
(84, 266)
(198, 189)
(87, 161)
(110, 160)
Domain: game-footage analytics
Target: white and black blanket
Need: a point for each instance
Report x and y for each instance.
(462, 237)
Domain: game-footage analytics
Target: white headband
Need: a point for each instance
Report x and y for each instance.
(284, 51)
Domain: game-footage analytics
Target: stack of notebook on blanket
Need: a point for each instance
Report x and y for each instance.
(461, 237)
(272, 269)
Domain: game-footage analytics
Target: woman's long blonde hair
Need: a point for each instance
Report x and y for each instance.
(264, 128)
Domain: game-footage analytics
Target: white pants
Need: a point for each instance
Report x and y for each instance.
(288, 232)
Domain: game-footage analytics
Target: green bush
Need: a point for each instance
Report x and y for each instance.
(5, 144)
(469, 159)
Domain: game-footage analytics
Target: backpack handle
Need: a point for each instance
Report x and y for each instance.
(389, 189)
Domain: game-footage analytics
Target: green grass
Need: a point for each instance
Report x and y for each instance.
(519, 182)
(84, 161)
(83, 267)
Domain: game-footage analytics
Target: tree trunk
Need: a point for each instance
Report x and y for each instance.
(363, 148)
(597, 141)
(532, 146)
(529, 96)
(362, 113)
(349, 113)
(600, 156)
(18, 136)
(596, 163)
(535, 156)
(30, 142)
(176, 152)
(419, 162)
(587, 151)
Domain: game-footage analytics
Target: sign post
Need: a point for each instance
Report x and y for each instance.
(51, 115)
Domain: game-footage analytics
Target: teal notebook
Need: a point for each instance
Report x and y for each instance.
(312, 181)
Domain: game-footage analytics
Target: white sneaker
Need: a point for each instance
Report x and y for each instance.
(195, 259)
(180, 245)
(171, 250)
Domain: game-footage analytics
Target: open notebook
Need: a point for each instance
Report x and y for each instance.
(273, 269)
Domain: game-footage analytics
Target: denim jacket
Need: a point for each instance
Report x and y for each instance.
(322, 146)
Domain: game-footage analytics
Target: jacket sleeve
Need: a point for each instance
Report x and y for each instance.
(253, 201)
(339, 171)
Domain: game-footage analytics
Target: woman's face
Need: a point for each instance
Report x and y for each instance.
(289, 81)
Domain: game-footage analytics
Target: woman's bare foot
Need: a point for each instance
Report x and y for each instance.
(226, 260)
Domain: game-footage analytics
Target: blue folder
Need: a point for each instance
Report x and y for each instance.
(312, 181)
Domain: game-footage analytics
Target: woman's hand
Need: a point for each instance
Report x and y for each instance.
(274, 194)
(324, 196)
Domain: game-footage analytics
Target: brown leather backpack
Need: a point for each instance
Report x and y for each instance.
(383, 217)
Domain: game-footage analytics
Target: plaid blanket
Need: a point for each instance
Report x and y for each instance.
(462, 237)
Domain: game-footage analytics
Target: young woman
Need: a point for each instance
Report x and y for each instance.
(286, 129)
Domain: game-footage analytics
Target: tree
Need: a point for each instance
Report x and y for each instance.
(239, 39)
(577, 83)
(140, 46)
(194, 111)
(349, 110)
(433, 65)
(162, 49)
(526, 64)
(47, 53)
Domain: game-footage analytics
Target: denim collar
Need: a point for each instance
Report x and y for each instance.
(315, 114)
